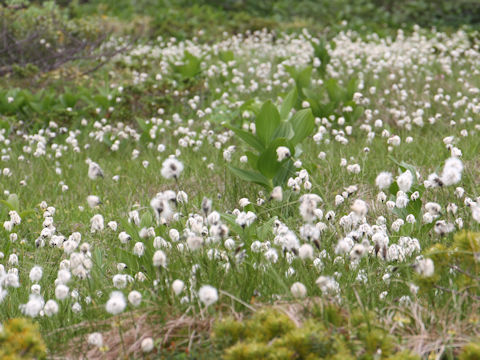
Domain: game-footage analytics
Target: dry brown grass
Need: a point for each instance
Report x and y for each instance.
(428, 332)
(124, 334)
(432, 333)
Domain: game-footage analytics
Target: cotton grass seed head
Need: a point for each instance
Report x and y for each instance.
(171, 168)
(116, 303)
(208, 295)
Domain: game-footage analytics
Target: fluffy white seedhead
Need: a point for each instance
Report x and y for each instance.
(208, 295)
(171, 168)
(147, 345)
(135, 298)
(298, 290)
(178, 286)
(116, 304)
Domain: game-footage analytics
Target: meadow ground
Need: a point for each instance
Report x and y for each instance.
(263, 195)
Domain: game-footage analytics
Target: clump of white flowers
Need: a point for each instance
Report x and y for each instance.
(116, 304)
(171, 168)
(452, 171)
(298, 290)
(425, 267)
(208, 295)
(283, 153)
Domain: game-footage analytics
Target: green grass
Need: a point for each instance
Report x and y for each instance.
(253, 280)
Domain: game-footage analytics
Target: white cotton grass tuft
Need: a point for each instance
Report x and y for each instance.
(116, 303)
(425, 267)
(50, 308)
(405, 181)
(208, 295)
(159, 259)
(96, 223)
(452, 171)
(277, 193)
(36, 274)
(135, 298)
(177, 286)
(147, 345)
(384, 180)
(360, 208)
(139, 249)
(94, 170)
(283, 153)
(61, 292)
(305, 252)
(33, 307)
(93, 201)
(298, 290)
(476, 213)
(95, 339)
(171, 168)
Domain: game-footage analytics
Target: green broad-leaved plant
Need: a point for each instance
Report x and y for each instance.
(274, 129)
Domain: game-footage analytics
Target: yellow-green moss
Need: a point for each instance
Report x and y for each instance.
(471, 351)
(228, 331)
(271, 335)
(268, 324)
(257, 350)
(20, 339)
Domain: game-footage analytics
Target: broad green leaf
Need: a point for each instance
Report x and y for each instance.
(146, 220)
(265, 229)
(316, 109)
(415, 208)
(251, 176)
(7, 204)
(101, 101)
(298, 150)
(313, 93)
(106, 140)
(401, 213)
(26, 213)
(249, 138)
(266, 122)
(286, 170)
(36, 107)
(357, 113)
(404, 167)
(143, 125)
(393, 189)
(284, 130)
(303, 124)
(326, 110)
(252, 159)
(303, 78)
(334, 91)
(226, 56)
(350, 90)
(230, 220)
(14, 202)
(268, 163)
(288, 103)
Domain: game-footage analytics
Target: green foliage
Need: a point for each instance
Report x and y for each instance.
(320, 51)
(364, 12)
(42, 106)
(333, 99)
(414, 205)
(20, 339)
(462, 257)
(274, 130)
(270, 334)
(470, 351)
(188, 68)
(42, 38)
